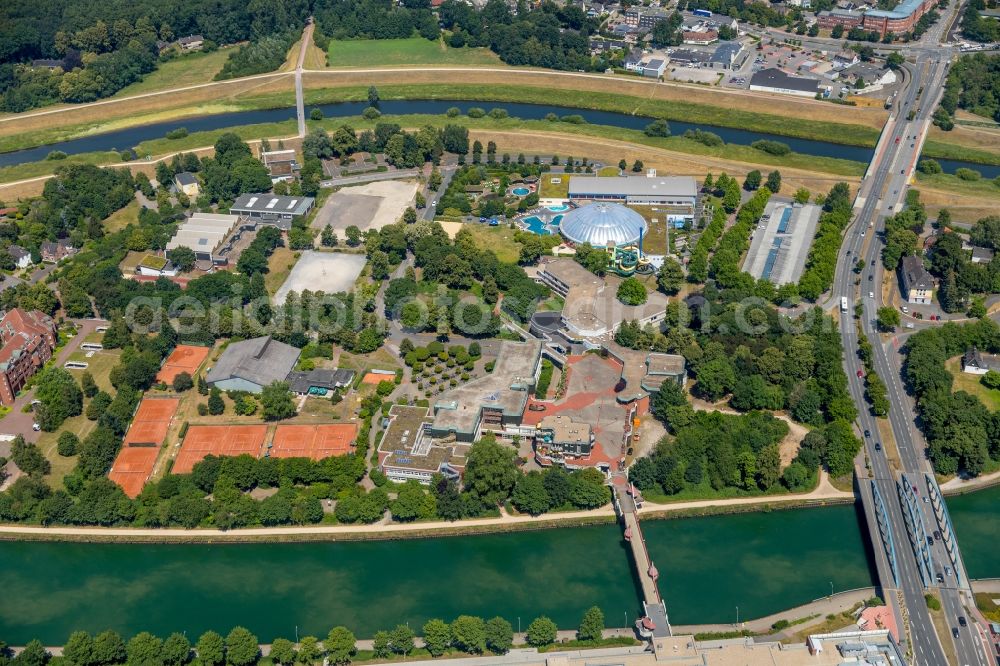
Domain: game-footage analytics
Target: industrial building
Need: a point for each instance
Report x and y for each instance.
(250, 365)
(210, 235)
(776, 81)
(677, 194)
(272, 208)
(591, 308)
(781, 241)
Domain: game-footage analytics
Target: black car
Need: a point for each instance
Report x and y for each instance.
(871, 277)
(930, 541)
(954, 632)
(868, 433)
(962, 622)
(937, 534)
(939, 577)
(878, 446)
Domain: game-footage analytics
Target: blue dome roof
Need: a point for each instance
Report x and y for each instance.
(601, 223)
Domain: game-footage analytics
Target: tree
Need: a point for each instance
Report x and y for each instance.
(587, 489)
(592, 625)
(309, 650)
(373, 98)
(216, 405)
(68, 444)
(401, 639)
(499, 635)
(34, 654)
(28, 457)
(657, 128)
(145, 648)
(774, 181)
(283, 651)
(490, 472)
(88, 385)
(328, 238)
(671, 276)
(768, 466)
(60, 398)
(637, 166)
(437, 637)
(277, 402)
(79, 649)
(241, 647)
(631, 292)
(109, 648)
(530, 495)
(541, 631)
(353, 236)
(211, 649)
(183, 258)
(340, 645)
(468, 634)
(752, 181)
(176, 650)
(380, 644)
(182, 382)
(888, 319)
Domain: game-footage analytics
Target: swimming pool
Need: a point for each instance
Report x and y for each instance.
(556, 220)
(535, 225)
(558, 209)
(521, 191)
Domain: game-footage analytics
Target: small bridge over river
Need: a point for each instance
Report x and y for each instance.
(654, 624)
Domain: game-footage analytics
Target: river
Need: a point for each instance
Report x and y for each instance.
(761, 562)
(131, 137)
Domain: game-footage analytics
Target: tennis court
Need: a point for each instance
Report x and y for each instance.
(313, 441)
(151, 421)
(184, 358)
(373, 377)
(224, 440)
(132, 468)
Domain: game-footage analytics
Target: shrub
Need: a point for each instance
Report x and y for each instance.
(371, 113)
(968, 174)
(178, 133)
(476, 112)
(771, 147)
(56, 155)
(68, 444)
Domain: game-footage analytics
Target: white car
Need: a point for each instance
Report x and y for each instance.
(36, 427)
(905, 309)
(871, 294)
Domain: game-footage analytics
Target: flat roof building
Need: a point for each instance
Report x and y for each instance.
(302, 383)
(272, 208)
(209, 235)
(679, 191)
(408, 450)
(776, 81)
(591, 308)
(494, 402)
(250, 365)
(781, 241)
(561, 440)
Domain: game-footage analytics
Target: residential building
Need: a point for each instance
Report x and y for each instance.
(867, 77)
(191, 42)
(776, 81)
(250, 365)
(601, 45)
(55, 252)
(272, 208)
(689, 58)
(654, 68)
(44, 63)
(409, 451)
(27, 341)
(561, 440)
(845, 58)
(9, 282)
(494, 402)
(187, 182)
(700, 37)
(21, 257)
(212, 237)
(645, 17)
(899, 20)
(156, 266)
(918, 285)
(974, 362)
(282, 165)
(633, 61)
(982, 255)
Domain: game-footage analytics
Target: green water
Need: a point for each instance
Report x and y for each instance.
(976, 518)
(763, 563)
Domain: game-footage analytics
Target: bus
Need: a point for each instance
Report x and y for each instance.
(843, 303)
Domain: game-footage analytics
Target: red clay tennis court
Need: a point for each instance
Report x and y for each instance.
(225, 440)
(313, 441)
(184, 358)
(132, 468)
(134, 463)
(376, 377)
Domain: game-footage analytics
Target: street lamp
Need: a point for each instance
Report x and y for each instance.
(518, 624)
(831, 589)
(737, 617)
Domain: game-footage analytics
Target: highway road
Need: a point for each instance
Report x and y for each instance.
(882, 193)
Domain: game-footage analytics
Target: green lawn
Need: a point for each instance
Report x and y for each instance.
(498, 239)
(185, 70)
(412, 51)
(554, 186)
(122, 218)
(970, 384)
(946, 181)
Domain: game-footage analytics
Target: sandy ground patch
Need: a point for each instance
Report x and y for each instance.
(451, 228)
(329, 272)
(370, 206)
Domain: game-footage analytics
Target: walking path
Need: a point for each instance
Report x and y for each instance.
(300, 110)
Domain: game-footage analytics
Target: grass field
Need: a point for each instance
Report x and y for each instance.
(27, 170)
(498, 239)
(280, 265)
(122, 218)
(185, 70)
(554, 186)
(970, 384)
(412, 51)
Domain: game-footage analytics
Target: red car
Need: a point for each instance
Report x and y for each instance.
(860, 374)
(897, 139)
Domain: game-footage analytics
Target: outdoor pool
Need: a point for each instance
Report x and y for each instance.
(558, 209)
(534, 224)
(521, 191)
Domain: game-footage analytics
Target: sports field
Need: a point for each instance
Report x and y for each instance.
(184, 358)
(225, 440)
(412, 51)
(137, 458)
(313, 441)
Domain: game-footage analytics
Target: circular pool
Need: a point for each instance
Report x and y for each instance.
(521, 191)
(559, 209)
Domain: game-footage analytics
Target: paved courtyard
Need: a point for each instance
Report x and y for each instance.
(370, 206)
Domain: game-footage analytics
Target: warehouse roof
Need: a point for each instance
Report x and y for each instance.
(775, 78)
(681, 186)
(272, 203)
(260, 361)
(203, 231)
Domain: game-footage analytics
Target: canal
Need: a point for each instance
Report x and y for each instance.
(761, 562)
(131, 137)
